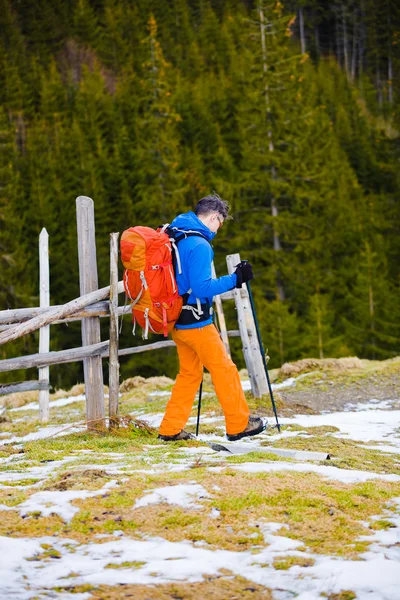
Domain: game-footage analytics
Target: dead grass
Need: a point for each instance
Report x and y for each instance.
(326, 516)
(220, 587)
(347, 454)
(351, 370)
(89, 479)
(133, 383)
(343, 595)
(316, 364)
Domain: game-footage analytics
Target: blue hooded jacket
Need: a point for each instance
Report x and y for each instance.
(196, 256)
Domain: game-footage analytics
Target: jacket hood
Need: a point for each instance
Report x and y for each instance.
(190, 222)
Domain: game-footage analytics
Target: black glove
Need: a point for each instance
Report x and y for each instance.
(244, 272)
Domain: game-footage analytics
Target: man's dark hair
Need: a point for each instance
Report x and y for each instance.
(212, 203)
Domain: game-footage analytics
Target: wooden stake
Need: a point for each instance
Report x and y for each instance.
(248, 333)
(88, 281)
(114, 342)
(44, 333)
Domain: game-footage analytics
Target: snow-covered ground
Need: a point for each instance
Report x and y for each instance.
(374, 576)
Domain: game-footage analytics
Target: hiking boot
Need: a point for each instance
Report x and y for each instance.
(182, 435)
(254, 427)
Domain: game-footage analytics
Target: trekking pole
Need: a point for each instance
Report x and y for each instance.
(253, 310)
(199, 408)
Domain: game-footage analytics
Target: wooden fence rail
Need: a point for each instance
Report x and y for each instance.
(24, 386)
(8, 318)
(53, 314)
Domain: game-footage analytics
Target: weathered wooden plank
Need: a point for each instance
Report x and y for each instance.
(44, 333)
(73, 355)
(8, 318)
(53, 314)
(146, 348)
(227, 295)
(113, 383)
(102, 311)
(251, 348)
(88, 282)
(51, 358)
(23, 386)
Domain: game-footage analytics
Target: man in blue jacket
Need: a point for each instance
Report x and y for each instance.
(197, 339)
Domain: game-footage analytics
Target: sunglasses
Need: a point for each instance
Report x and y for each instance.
(220, 219)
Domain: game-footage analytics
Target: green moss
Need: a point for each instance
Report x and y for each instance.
(20, 482)
(48, 553)
(381, 524)
(125, 565)
(179, 518)
(256, 457)
(75, 589)
(283, 563)
(343, 595)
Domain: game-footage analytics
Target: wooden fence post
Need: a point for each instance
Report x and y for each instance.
(248, 333)
(88, 281)
(113, 361)
(44, 333)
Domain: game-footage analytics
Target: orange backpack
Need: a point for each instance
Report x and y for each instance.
(149, 278)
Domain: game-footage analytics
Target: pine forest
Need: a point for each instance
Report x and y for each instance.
(289, 110)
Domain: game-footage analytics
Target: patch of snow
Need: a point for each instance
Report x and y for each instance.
(385, 542)
(41, 473)
(388, 449)
(369, 425)
(372, 404)
(153, 419)
(279, 543)
(52, 404)
(58, 502)
(373, 578)
(183, 495)
(197, 450)
(46, 432)
(290, 382)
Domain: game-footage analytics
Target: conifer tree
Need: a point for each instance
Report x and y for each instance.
(160, 182)
(14, 288)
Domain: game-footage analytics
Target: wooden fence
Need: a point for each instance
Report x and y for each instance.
(92, 305)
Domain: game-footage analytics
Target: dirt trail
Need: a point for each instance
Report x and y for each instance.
(335, 384)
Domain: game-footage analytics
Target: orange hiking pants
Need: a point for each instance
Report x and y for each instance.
(197, 348)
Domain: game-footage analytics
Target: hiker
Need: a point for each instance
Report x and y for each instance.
(197, 339)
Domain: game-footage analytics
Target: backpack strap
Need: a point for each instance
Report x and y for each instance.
(197, 312)
(176, 235)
